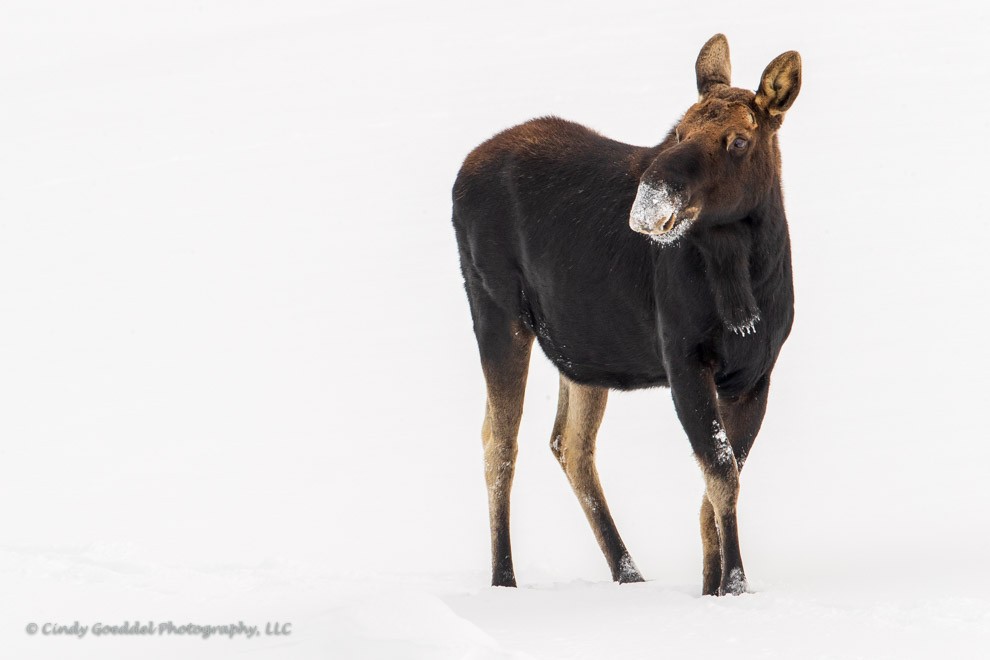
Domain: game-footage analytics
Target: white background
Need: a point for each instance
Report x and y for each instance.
(238, 379)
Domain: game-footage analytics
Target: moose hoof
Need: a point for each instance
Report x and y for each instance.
(628, 573)
(630, 578)
(504, 579)
(734, 584)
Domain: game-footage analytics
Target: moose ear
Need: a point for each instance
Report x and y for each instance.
(780, 84)
(713, 67)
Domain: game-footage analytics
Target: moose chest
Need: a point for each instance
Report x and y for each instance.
(722, 302)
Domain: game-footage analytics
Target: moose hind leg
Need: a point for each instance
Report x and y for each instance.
(505, 362)
(579, 414)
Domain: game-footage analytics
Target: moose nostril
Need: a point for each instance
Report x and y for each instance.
(669, 224)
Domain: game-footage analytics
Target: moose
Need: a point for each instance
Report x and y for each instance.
(634, 267)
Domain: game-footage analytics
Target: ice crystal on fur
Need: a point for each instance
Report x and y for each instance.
(736, 583)
(746, 328)
(723, 451)
(627, 569)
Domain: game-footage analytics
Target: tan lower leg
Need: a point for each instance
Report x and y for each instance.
(711, 551)
(506, 381)
(723, 492)
(579, 415)
(500, 458)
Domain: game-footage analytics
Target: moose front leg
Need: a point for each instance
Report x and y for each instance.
(697, 408)
(711, 552)
(742, 416)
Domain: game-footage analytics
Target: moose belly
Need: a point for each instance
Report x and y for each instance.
(606, 352)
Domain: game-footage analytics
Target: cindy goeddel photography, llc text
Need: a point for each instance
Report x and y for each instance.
(165, 628)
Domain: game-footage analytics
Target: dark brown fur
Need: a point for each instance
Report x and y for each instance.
(550, 220)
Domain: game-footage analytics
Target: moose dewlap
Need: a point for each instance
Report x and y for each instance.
(634, 267)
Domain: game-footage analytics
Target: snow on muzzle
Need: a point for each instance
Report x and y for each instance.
(659, 212)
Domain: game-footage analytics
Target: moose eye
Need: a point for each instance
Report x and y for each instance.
(739, 143)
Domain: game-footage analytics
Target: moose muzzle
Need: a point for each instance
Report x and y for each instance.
(661, 213)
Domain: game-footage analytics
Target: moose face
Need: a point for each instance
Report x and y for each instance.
(722, 157)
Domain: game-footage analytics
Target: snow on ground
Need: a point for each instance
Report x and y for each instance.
(239, 381)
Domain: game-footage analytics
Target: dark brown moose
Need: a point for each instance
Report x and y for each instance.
(634, 267)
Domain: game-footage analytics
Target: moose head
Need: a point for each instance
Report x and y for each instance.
(721, 159)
